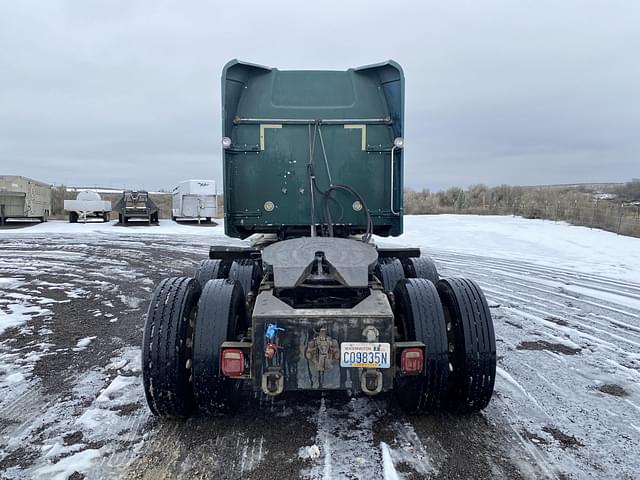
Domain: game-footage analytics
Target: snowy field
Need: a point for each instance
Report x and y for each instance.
(565, 302)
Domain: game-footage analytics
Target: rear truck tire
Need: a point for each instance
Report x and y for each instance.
(472, 344)
(221, 314)
(247, 272)
(211, 270)
(420, 317)
(421, 267)
(73, 217)
(389, 271)
(166, 347)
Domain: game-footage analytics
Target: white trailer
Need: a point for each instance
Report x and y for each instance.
(195, 200)
(86, 205)
(24, 198)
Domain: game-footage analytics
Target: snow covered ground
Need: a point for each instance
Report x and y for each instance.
(543, 242)
(566, 307)
(78, 230)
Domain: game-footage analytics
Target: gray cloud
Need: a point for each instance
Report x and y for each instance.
(127, 93)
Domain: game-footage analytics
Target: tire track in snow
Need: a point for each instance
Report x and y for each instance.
(258, 444)
(593, 319)
(552, 400)
(547, 469)
(349, 447)
(554, 287)
(346, 444)
(533, 270)
(582, 326)
(578, 314)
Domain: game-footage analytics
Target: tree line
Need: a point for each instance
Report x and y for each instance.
(615, 208)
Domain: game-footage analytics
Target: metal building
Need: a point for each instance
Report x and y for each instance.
(23, 198)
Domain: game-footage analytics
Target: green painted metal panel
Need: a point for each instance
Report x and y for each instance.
(276, 118)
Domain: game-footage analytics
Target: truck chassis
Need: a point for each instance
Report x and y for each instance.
(317, 313)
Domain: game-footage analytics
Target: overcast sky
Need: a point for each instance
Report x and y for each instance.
(126, 93)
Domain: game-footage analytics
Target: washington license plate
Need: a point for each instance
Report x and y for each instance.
(365, 355)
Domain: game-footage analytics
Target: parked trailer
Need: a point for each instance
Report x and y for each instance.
(24, 198)
(195, 200)
(136, 207)
(313, 162)
(88, 204)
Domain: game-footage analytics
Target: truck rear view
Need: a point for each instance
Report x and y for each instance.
(313, 163)
(295, 138)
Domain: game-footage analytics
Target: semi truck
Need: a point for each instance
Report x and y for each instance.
(313, 174)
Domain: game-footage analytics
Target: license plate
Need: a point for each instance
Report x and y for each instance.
(365, 355)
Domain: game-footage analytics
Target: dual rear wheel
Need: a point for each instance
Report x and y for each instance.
(472, 344)
(451, 317)
(246, 272)
(420, 317)
(391, 270)
(187, 322)
(167, 347)
(221, 317)
(189, 318)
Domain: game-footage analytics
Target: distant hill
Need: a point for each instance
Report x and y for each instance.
(583, 186)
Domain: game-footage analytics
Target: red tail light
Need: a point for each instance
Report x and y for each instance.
(232, 362)
(412, 361)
